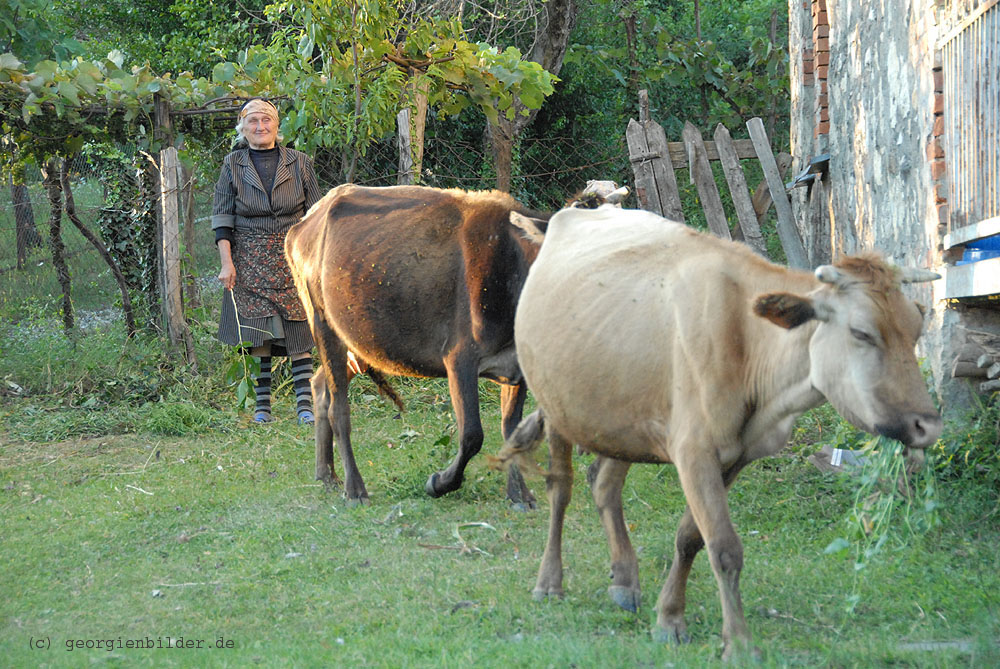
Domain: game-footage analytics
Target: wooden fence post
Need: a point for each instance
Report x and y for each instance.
(404, 175)
(795, 252)
(738, 190)
(170, 259)
(704, 180)
(655, 183)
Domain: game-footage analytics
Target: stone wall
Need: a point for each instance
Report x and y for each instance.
(866, 90)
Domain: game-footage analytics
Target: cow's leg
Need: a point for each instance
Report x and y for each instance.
(511, 407)
(606, 488)
(324, 432)
(705, 488)
(333, 356)
(671, 626)
(463, 385)
(559, 489)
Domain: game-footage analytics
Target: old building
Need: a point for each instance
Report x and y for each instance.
(896, 147)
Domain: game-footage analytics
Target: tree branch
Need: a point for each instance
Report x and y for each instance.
(70, 206)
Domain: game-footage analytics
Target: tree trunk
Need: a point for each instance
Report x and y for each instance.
(549, 50)
(502, 141)
(631, 44)
(50, 173)
(96, 243)
(24, 217)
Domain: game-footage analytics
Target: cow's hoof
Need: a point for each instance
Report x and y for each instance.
(625, 597)
(673, 636)
(431, 487)
(541, 594)
(356, 501)
(435, 488)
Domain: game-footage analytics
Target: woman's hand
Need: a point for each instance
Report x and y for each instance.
(228, 275)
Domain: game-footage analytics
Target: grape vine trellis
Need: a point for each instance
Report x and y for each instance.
(336, 56)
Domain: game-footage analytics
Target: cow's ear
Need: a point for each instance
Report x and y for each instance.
(533, 228)
(785, 309)
(921, 308)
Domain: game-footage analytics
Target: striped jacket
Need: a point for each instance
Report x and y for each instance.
(240, 201)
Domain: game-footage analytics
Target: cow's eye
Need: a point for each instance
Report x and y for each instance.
(863, 337)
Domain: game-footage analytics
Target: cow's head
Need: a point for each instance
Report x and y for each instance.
(861, 352)
(596, 194)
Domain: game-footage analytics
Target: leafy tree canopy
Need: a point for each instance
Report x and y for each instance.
(342, 67)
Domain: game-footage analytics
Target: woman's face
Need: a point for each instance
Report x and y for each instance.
(260, 130)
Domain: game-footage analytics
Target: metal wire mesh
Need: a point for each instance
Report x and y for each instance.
(112, 200)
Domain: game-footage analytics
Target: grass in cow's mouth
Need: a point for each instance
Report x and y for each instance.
(137, 502)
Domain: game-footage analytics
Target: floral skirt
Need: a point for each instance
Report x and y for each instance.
(264, 306)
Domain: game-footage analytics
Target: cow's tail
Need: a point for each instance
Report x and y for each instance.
(518, 448)
(384, 389)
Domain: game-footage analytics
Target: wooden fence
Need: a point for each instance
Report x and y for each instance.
(653, 161)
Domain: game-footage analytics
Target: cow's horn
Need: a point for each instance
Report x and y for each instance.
(915, 275)
(616, 196)
(829, 274)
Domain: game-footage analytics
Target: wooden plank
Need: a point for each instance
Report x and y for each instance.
(404, 174)
(663, 172)
(642, 167)
(973, 279)
(744, 149)
(970, 233)
(655, 181)
(739, 191)
(989, 386)
(704, 181)
(966, 22)
(794, 250)
(962, 369)
(762, 194)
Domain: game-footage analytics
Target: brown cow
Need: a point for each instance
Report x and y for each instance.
(644, 341)
(414, 281)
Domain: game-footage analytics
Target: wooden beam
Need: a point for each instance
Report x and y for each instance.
(704, 181)
(795, 252)
(744, 149)
(970, 233)
(972, 279)
(739, 191)
(655, 182)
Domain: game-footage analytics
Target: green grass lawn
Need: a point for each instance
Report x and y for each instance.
(223, 534)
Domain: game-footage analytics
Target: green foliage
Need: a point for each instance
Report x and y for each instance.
(127, 220)
(30, 28)
(241, 369)
(346, 69)
(732, 72)
(174, 418)
(969, 448)
(891, 507)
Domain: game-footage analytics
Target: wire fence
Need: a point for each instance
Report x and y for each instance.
(116, 202)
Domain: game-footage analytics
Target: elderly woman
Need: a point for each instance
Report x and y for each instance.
(263, 189)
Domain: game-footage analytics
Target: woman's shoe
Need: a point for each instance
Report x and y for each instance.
(306, 417)
(262, 417)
